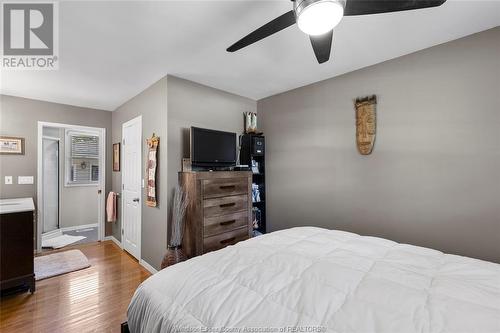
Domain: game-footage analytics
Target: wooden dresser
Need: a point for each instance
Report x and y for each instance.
(219, 211)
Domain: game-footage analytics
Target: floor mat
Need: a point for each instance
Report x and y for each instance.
(60, 241)
(89, 233)
(59, 263)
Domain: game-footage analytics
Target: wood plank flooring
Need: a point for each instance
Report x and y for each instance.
(94, 299)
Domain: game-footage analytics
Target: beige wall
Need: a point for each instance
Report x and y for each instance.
(433, 177)
(152, 105)
(20, 116)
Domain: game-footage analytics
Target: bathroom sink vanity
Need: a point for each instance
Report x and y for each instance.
(16, 244)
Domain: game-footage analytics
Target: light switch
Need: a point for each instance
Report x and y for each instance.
(8, 180)
(25, 180)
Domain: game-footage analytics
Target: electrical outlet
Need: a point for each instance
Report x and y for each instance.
(25, 180)
(8, 180)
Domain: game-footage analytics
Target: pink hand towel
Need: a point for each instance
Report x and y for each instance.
(111, 207)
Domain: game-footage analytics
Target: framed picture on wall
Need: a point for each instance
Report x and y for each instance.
(116, 156)
(10, 145)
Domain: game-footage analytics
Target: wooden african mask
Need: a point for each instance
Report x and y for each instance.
(365, 124)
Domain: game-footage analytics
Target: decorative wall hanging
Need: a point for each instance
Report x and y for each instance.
(11, 145)
(365, 123)
(151, 170)
(116, 156)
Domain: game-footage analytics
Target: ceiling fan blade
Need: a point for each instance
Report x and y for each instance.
(364, 7)
(278, 24)
(322, 46)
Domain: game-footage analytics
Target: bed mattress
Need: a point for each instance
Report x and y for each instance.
(316, 280)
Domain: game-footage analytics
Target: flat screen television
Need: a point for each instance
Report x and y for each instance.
(211, 148)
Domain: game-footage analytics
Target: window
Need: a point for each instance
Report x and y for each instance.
(82, 159)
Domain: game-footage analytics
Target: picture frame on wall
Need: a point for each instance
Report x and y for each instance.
(116, 156)
(10, 145)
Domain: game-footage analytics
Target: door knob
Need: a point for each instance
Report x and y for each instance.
(136, 200)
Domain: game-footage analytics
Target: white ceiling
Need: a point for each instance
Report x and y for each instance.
(111, 51)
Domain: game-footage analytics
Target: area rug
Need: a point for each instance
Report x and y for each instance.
(60, 241)
(59, 263)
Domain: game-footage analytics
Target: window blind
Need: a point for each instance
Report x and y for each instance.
(84, 146)
(83, 159)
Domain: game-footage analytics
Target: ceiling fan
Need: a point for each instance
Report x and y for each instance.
(317, 18)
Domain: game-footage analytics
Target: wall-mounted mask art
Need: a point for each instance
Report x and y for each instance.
(366, 124)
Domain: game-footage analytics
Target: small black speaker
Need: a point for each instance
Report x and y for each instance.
(258, 145)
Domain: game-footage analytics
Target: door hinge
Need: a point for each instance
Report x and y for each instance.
(123, 142)
(122, 231)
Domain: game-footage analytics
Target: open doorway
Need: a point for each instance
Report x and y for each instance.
(71, 178)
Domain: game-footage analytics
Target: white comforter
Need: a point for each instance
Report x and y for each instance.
(311, 279)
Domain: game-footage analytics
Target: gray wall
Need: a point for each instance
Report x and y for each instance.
(433, 177)
(193, 104)
(152, 105)
(20, 116)
(78, 205)
(169, 108)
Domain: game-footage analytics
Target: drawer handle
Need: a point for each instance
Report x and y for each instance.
(227, 222)
(227, 187)
(229, 240)
(227, 205)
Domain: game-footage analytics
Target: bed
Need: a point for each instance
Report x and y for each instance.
(316, 280)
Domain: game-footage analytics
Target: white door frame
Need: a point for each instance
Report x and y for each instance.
(137, 119)
(102, 179)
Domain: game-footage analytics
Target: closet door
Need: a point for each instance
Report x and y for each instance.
(131, 186)
(50, 166)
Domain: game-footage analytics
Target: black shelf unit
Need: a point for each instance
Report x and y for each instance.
(252, 148)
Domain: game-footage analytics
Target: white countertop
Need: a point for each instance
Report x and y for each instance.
(16, 205)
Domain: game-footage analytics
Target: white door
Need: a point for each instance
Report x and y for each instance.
(131, 186)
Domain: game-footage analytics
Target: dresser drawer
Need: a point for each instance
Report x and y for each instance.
(225, 205)
(222, 240)
(220, 224)
(214, 188)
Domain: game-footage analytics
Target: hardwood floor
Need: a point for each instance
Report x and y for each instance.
(94, 299)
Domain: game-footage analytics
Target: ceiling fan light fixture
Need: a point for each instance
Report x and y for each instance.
(317, 17)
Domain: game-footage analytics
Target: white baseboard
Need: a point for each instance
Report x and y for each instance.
(78, 227)
(142, 262)
(147, 266)
(116, 241)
